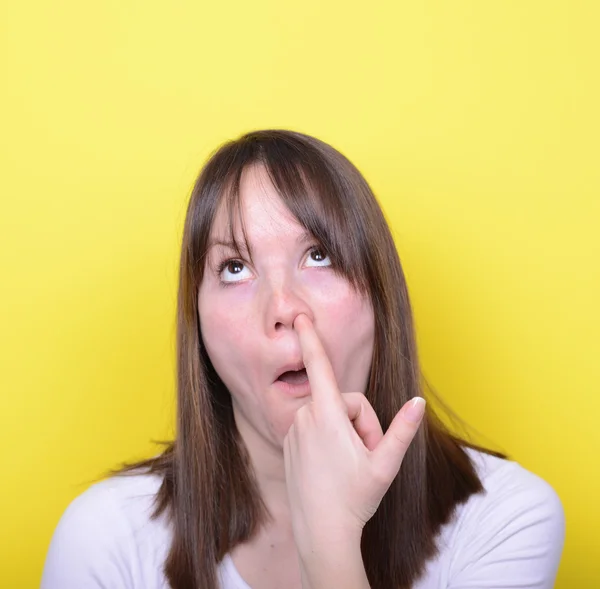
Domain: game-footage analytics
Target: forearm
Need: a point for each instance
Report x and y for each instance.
(337, 565)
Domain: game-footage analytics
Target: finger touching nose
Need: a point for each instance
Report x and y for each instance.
(283, 305)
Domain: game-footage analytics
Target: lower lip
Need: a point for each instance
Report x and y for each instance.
(293, 390)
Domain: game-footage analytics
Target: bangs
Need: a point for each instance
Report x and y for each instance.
(316, 193)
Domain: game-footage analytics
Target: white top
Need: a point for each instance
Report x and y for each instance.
(511, 536)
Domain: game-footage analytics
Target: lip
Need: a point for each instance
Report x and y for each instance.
(288, 389)
(287, 367)
(293, 390)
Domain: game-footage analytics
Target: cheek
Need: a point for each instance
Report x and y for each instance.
(225, 334)
(347, 329)
(350, 324)
(336, 304)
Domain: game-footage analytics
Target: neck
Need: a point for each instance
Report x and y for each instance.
(269, 470)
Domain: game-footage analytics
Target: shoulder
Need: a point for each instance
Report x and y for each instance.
(514, 530)
(509, 488)
(104, 534)
(116, 506)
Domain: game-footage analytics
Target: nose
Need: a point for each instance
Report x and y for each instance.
(284, 301)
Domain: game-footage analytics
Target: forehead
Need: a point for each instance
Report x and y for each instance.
(261, 211)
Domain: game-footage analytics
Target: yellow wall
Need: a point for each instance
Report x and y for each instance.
(477, 124)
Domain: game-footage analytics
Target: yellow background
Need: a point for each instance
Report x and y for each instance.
(475, 122)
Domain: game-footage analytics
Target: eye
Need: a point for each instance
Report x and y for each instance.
(317, 257)
(233, 271)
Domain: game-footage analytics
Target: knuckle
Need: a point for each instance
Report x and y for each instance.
(402, 439)
(381, 477)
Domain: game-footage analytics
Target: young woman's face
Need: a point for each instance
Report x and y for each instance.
(247, 313)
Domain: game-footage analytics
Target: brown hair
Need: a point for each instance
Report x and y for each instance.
(208, 488)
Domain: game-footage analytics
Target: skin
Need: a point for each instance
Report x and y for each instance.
(321, 460)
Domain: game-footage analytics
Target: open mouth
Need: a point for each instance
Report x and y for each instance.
(294, 376)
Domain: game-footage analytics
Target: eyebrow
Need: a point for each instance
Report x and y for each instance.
(302, 238)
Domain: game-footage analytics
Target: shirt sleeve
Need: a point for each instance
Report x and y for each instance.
(514, 538)
(91, 545)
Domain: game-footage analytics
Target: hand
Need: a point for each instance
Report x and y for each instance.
(338, 463)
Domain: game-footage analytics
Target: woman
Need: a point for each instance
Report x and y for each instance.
(295, 352)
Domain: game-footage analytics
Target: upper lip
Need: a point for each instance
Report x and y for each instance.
(287, 367)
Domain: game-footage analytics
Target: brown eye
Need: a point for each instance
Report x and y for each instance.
(235, 266)
(317, 257)
(233, 271)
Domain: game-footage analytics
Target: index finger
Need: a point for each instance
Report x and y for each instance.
(323, 385)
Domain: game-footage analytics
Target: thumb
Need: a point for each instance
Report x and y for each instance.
(389, 453)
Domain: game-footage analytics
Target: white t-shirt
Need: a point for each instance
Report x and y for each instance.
(511, 536)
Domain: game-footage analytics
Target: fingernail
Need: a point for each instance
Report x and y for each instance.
(415, 409)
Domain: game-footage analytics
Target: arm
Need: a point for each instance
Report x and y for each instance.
(515, 538)
(338, 466)
(338, 565)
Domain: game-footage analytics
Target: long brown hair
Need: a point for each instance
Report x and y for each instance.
(208, 488)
